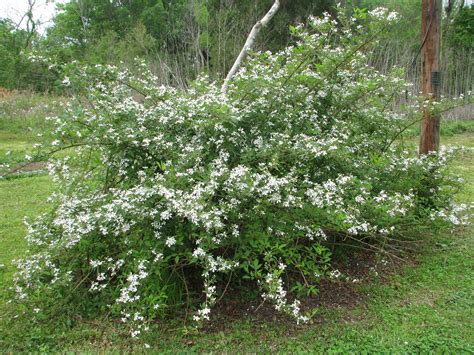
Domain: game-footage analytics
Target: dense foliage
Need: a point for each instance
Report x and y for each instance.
(180, 39)
(167, 194)
(16, 70)
(463, 29)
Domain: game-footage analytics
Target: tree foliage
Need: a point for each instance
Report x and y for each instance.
(462, 33)
(180, 39)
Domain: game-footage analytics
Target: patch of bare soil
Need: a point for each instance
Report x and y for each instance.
(341, 293)
(33, 166)
(26, 168)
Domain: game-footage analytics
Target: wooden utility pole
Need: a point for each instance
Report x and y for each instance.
(430, 74)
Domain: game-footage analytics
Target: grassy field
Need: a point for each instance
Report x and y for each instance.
(425, 305)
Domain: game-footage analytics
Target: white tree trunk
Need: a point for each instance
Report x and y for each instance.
(249, 43)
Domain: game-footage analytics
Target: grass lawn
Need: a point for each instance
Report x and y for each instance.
(427, 305)
(19, 197)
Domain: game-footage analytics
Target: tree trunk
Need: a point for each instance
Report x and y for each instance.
(249, 43)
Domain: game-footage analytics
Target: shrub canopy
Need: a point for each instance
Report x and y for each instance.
(166, 193)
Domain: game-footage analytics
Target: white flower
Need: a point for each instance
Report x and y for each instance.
(66, 81)
(170, 241)
(199, 252)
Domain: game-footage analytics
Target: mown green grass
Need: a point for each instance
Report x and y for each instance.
(424, 308)
(19, 198)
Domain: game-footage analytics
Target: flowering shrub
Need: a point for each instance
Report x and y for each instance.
(167, 192)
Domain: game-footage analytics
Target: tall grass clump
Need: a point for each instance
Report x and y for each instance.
(168, 194)
(23, 112)
(23, 124)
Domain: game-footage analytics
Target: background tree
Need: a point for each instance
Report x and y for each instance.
(181, 38)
